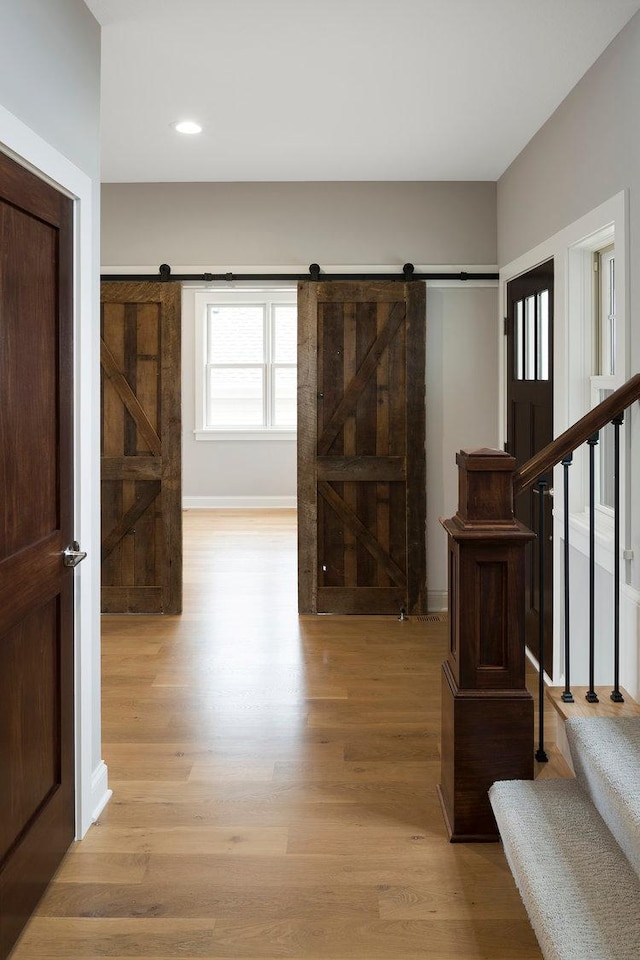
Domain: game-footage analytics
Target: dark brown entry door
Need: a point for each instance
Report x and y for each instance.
(36, 512)
(530, 427)
(361, 447)
(141, 456)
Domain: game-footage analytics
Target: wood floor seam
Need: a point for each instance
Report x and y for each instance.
(274, 783)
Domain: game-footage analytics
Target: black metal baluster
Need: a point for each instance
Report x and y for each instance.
(591, 695)
(616, 696)
(567, 696)
(541, 755)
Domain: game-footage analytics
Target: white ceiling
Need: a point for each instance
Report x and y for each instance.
(338, 89)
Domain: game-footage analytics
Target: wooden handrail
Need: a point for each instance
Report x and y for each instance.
(547, 458)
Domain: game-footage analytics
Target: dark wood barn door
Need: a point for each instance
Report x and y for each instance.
(141, 448)
(530, 428)
(361, 447)
(36, 515)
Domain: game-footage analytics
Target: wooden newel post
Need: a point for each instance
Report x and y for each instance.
(487, 711)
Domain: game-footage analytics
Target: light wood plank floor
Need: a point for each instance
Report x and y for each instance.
(274, 784)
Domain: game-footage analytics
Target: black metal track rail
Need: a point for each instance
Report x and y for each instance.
(164, 274)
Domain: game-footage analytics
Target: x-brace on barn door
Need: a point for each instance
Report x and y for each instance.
(361, 447)
(141, 442)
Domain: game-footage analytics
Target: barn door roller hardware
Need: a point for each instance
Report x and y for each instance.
(164, 274)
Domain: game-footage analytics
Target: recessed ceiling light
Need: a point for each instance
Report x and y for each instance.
(187, 126)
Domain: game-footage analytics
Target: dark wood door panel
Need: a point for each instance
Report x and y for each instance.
(141, 436)
(361, 601)
(36, 510)
(29, 711)
(32, 862)
(361, 491)
(530, 427)
(28, 418)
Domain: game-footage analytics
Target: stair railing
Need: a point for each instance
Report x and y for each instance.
(487, 710)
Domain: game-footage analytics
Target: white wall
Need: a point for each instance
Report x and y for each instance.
(49, 120)
(587, 153)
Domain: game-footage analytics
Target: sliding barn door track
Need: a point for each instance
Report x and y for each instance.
(315, 274)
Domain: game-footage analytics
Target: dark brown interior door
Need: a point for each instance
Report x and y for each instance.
(361, 447)
(36, 511)
(141, 448)
(530, 428)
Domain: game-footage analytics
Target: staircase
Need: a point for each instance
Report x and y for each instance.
(487, 710)
(573, 846)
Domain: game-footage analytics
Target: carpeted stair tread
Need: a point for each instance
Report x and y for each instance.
(606, 758)
(581, 894)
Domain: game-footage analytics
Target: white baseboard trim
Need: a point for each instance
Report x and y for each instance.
(437, 601)
(239, 503)
(100, 793)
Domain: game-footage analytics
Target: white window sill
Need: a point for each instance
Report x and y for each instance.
(579, 522)
(579, 538)
(218, 436)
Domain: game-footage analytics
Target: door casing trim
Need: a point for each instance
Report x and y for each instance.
(22, 144)
(568, 346)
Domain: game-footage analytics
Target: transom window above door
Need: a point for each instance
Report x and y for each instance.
(247, 346)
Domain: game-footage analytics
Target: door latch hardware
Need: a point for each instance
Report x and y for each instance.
(73, 555)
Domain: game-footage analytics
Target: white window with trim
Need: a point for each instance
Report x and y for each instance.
(246, 351)
(597, 367)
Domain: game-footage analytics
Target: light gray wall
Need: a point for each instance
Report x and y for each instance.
(270, 224)
(587, 151)
(50, 74)
(462, 411)
(462, 403)
(298, 223)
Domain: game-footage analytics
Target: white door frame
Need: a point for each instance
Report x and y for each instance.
(22, 144)
(572, 368)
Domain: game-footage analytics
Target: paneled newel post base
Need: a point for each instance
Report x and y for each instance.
(487, 711)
